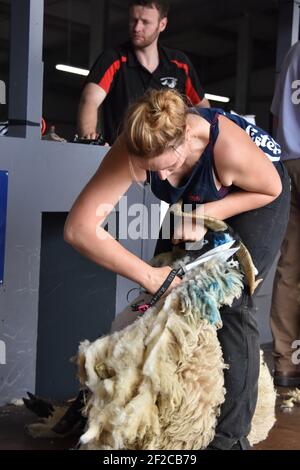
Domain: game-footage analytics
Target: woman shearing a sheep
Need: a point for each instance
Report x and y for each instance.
(232, 170)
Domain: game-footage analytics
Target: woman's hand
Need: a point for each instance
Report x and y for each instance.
(157, 278)
(188, 230)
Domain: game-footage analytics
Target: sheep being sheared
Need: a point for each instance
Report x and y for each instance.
(158, 383)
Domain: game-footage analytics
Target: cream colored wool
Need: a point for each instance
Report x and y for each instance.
(263, 420)
(264, 417)
(159, 383)
(294, 397)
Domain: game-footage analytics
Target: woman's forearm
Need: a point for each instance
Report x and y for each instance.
(235, 203)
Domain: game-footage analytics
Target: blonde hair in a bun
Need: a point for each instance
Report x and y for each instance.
(154, 121)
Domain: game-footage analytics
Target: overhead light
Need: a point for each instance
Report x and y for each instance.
(84, 72)
(223, 99)
(70, 69)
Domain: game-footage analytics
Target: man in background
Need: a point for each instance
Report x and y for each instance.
(123, 74)
(285, 311)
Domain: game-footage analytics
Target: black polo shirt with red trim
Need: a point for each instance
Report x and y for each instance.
(124, 79)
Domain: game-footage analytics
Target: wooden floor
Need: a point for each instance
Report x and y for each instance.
(284, 436)
(14, 436)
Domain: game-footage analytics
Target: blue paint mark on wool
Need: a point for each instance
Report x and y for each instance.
(221, 238)
(204, 302)
(204, 299)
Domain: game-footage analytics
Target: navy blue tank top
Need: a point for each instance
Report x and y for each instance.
(200, 187)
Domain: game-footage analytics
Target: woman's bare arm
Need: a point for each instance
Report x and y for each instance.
(241, 163)
(83, 228)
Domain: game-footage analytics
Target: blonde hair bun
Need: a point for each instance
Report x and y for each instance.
(154, 122)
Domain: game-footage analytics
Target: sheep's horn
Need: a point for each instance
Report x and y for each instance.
(243, 255)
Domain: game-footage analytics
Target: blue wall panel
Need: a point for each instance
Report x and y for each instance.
(3, 209)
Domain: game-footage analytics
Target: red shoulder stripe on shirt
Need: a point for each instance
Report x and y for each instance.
(189, 89)
(108, 77)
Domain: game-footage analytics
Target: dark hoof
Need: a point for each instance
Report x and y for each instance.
(39, 406)
(72, 419)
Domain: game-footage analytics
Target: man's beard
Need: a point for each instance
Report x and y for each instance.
(142, 44)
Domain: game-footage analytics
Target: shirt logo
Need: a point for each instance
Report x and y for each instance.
(265, 142)
(170, 82)
(194, 197)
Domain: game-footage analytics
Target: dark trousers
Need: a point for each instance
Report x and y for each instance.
(262, 231)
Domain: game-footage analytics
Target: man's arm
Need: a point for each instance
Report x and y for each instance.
(92, 97)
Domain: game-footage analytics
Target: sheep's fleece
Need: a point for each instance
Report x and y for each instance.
(156, 382)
